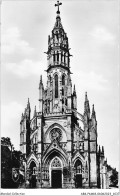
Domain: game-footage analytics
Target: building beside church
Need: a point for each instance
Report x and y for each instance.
(61, 152)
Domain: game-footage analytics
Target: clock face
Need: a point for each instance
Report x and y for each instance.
(56, 134)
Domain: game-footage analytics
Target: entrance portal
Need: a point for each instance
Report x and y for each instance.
(78, 174)
(32, 176)
(56, 178)
(56, 173)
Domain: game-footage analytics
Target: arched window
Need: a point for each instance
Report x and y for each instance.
(57, 56)
(56, 86)
(56, 134)
(63, 79)
(32, 167)
(61, 56)
(78, 167)
(62, 92)
(64, 57)
(48, 106)
(66, 102)
(54, 57)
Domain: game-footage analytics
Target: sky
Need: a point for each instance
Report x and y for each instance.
(92, 27)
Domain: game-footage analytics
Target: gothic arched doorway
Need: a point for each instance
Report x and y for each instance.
(56, 173)
(32, 175)
(78, 174)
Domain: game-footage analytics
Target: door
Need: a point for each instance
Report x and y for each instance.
(33, 181)
(78, 181)
(56, 178)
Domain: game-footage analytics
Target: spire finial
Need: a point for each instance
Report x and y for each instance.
(74, 90)
(93, 110)
(58, 4)
(103, 149)
(28, 103)
(86, 99)
(40, 80)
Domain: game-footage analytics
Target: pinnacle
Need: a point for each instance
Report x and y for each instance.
(93, 110)
(103, 149)
(40, 83)
(86, 98)
(28, 103)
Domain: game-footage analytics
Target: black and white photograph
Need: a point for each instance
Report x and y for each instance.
(59, 96)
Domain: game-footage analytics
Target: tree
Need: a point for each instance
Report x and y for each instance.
(114, 178)
(10, 158)
(5, 141)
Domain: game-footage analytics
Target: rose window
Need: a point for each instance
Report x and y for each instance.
(56, 134)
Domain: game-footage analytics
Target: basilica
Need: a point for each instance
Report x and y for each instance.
(59, 143)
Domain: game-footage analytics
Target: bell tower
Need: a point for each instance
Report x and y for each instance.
(59, 88)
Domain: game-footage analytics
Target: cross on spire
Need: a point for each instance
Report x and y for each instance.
(58, 4)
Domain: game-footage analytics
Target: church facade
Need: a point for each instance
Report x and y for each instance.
(59, 151)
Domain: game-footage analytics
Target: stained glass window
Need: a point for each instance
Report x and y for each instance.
(56, 134)
(63, 80)
(56, 86)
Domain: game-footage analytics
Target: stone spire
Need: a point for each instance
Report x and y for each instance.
(41, 93)
(40, 83)
(103, 150)
(86, 106)
(74, 91)
(86, 98)
(28, 109)
(74, 98)
(28, 104)
(58, 54)
(93, 112)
